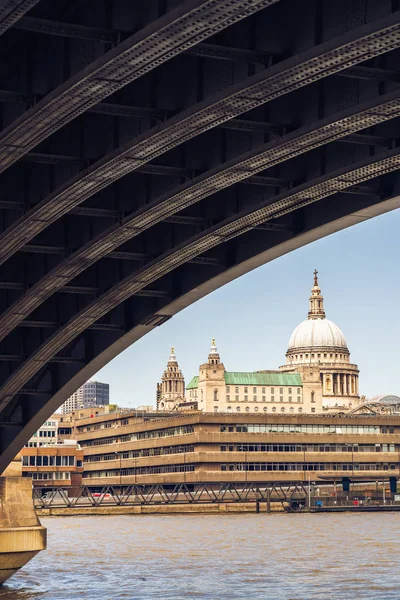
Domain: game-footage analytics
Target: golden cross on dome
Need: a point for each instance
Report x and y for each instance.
(315, 277)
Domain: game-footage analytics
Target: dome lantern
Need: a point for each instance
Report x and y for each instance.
(316, 301)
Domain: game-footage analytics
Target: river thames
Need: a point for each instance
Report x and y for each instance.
(269, 557)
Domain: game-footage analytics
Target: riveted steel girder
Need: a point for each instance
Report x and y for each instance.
(320, 62)
(176, 31)
(323, 132)
(299, 197)
(82, 246)
(13, 10)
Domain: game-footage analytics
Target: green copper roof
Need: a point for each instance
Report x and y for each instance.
(270, 379)
(193, 384)
(263, 379)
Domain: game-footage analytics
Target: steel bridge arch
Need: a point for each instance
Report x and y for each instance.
(87, 266)
(324, 187)
(174, 307)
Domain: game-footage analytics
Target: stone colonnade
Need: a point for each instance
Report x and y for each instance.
(340, 384)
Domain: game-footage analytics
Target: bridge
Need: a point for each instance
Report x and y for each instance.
(153, 151)
(288, 496)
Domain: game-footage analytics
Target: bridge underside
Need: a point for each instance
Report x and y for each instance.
(152, 151)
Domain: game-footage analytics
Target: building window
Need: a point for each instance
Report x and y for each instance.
(272, 398)
(228, 398)
(238, 408)
(281, 390)
(229, 408)
(298, 399)
(289, 390)
(313, 397)
(264, 398)
(300, 409)
(265, 409)
(215, 395)
(215, 408)
(254, 398)
(256, 409)
(272, 391)
(298, 390)
(291, 409)
(254, 390)
(280, 398)
(247, 409)
(246, 390)
(236, 389)
(227, 389)
(263, 390)
(313, 409)
(246, 398)
(290, 398)
(274, 409)
(282, 409)
(237, 398)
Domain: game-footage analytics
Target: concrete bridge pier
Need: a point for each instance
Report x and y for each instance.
(21, 535)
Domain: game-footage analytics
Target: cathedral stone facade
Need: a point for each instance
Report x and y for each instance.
(318, 352)
(318, 376)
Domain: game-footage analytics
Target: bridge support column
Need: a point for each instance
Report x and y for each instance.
(21, 535)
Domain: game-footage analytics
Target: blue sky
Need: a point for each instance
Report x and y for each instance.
(252, 317)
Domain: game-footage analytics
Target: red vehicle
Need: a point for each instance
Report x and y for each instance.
(98, 495)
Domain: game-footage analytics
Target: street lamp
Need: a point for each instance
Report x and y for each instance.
(310, 483)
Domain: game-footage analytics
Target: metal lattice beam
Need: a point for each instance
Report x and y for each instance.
(13, 10)
(292, 74)
(382, 109)
(160, 41)
(237, 225)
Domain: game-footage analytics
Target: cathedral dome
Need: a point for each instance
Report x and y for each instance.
(317, 333)
(317, 339)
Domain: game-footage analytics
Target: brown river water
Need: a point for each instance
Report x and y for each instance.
(178, 557)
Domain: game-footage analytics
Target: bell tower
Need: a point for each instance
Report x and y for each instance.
(213, 357)
(172, 385)
(212, 382)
